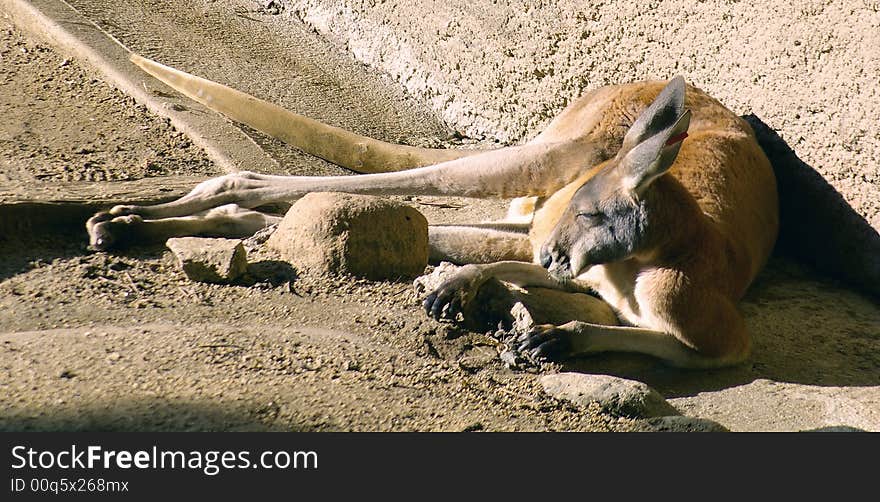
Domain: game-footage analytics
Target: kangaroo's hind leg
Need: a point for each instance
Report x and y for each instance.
(527, 170)
(228, 220)
(533, 169)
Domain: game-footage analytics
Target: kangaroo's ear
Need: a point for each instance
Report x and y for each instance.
(653, 156)
(661, 114)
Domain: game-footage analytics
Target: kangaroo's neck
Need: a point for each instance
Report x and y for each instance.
(677, 230)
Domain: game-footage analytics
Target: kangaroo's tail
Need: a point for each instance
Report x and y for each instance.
(341, 147)
(817, 226)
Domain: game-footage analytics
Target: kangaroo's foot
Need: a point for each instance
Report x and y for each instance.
(105, 229)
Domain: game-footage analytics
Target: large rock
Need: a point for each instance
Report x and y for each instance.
(210, 260)
(353, 234)
(617, 395)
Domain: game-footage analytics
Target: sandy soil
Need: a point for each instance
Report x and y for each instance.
(62, 123)
(122, 342)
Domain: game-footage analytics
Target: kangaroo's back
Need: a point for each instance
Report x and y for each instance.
(727, 172)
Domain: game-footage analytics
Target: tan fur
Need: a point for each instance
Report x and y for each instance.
(717, 207)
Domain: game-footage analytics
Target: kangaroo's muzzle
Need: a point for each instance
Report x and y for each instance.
(556, 261)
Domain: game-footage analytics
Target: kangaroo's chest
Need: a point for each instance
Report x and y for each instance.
(615, 284)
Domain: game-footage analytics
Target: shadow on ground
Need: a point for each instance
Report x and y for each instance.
(144, 415)
(20, 256)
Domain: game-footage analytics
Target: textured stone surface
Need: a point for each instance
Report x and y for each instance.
(210, 260)
(503, 70)
(353, 234)
(617, 395)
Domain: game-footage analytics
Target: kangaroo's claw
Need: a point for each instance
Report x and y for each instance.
(442, 304)
(100, 238)
(546, 342)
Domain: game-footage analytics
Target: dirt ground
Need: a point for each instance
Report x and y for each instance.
(122, 342)
(63, 124)
(125, 342)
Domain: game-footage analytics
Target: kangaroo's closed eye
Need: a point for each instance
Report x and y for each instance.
(590, 216)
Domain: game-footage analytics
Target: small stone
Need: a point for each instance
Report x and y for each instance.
(522, 319)
(360, 235)
(474, 427)
(681, 424)
(253, 242)
(210, 260)
(273, 7)
(616, 395)
(118, 266)
(510, 358)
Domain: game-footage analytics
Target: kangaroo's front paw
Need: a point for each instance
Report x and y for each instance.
(453, 295)
(546, 342)
(105, 229)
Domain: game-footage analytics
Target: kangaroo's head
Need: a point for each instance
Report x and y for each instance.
(609, 217)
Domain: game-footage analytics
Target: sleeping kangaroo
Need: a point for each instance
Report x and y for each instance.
(653, 195)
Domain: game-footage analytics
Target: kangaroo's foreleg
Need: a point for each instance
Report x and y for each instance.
(580, 338)
(453, 294)
(533, 169)
(537, 169)
(479, 243)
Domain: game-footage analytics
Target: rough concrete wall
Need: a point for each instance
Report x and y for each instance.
(502, 69)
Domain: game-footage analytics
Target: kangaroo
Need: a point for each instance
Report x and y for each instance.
(653, 195)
